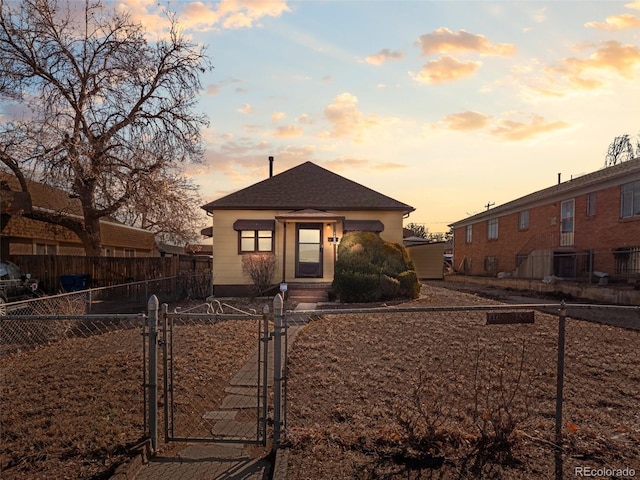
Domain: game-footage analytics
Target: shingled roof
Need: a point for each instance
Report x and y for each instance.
(624, 170)
(307, 186)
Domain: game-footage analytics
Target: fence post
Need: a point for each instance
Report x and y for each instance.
(278, 304)
(152, 308)
(165, 354)
(265, 372)
(562, 315)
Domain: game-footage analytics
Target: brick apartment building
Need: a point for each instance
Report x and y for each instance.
(582, 228)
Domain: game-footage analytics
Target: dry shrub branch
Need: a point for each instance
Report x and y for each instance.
(261, 268)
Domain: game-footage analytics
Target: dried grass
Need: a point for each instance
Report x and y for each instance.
(73, 408)
(389, 396)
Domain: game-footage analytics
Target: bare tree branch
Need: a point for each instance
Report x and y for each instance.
(108, 112)
(620, 150)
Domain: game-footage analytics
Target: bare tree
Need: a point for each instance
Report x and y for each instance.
(167, 206)
(620, 150)
(418, 229)
(108, 114)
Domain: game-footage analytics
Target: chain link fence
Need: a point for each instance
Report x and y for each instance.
(71, 392)
(127, 297)
(73, 381)
(215, 369)
(461, 392)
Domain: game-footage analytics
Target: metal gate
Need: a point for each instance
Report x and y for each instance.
(220, 397)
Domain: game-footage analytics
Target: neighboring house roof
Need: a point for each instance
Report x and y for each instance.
(170, 249)
(307, 186)
(583, 184)
(46, 197)
(114, 232)
(413, 240)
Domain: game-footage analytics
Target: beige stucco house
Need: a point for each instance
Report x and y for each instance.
(298, 215)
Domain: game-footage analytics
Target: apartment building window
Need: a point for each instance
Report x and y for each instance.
(523, 220)
(591, 204)
(627, 260)
(587, 261)
(469, 233)
(492, 229)
(466, 265)
(630, 199)
(491, 264)
(129, 252)
(567, 212)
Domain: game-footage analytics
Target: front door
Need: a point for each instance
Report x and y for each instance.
(309, 250)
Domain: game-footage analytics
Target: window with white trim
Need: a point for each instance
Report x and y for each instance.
(492, 229)
(523, 220)
(591, 204)
(630, 199)
(469, 233)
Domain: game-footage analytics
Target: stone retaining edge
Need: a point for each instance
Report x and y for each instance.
(139, 456)
(280, 464)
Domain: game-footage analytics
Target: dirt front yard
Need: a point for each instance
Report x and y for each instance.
(443, 395)
(73, 409)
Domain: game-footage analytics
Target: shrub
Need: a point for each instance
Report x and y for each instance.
(396, 259)
(369, 269)
(409, 285)
(260, 267)
(357, 286)
(389, 287)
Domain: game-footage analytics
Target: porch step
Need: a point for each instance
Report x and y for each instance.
(309, 293)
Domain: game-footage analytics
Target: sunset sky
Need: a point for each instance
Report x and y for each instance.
(446, 106)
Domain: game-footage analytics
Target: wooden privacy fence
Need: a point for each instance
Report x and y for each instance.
(107, 271)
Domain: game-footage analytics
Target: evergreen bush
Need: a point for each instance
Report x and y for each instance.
(409, 285)
(369, 269)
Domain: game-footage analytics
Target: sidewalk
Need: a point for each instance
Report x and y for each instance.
(206, 461)
(219, 460)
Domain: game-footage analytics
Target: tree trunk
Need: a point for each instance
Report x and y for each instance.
(88, 231)
(91, 237)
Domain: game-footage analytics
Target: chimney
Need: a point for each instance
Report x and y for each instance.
(559, 181)
(270, 167)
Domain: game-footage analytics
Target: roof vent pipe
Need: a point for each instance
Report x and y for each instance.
(559, 181)
(270, 167)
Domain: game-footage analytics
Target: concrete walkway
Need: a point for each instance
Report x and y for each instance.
(221, 460)
(206, 461)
